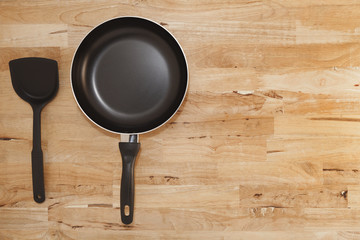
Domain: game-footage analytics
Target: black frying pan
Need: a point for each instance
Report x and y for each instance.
(129, 76)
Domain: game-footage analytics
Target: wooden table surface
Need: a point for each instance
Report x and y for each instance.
(265, 146)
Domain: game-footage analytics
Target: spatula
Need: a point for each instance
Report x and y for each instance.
(36, 81)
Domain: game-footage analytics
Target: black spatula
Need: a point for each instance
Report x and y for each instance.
(36, 81)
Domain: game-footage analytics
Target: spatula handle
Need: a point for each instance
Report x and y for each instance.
(37, 158)
(38, 175)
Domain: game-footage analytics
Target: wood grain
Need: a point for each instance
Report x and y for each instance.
(265, 146)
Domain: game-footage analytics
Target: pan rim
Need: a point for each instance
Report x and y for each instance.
(187, 75)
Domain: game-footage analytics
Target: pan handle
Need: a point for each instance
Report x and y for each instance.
(129, 151)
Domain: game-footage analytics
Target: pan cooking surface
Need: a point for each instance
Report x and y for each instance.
(129, 76)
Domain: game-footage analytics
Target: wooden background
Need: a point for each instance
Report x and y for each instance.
(265, 146)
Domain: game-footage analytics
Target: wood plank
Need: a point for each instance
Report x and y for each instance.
(190, 197)
(61, 180)
(291, 196)
(344, 170)
(296, 148)
(214, 149)
(246, 219)
(335, 79)
(45, 35)
(24, 218)
(353, 196)
(78, 233)
(317, 125)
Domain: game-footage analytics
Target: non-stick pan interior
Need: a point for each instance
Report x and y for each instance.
(129, 75)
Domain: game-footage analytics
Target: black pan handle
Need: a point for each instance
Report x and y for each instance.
(37, 157)
(129, 151)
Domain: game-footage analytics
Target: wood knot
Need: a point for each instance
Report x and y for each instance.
(257, 195)
(344, 194)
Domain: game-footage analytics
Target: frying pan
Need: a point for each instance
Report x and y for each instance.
(129, 75)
